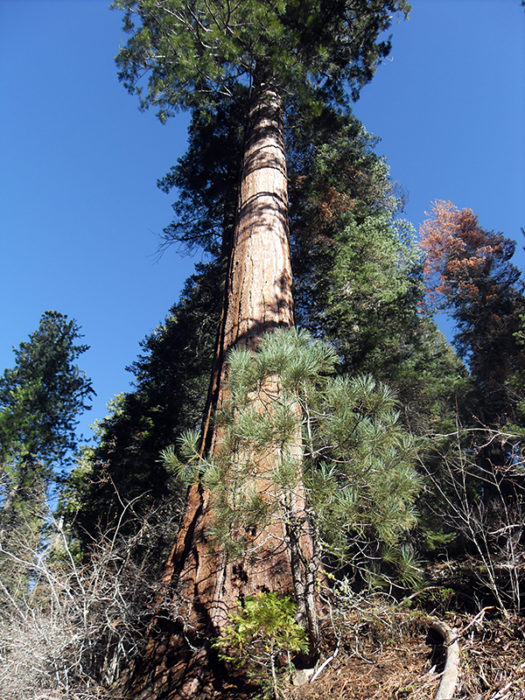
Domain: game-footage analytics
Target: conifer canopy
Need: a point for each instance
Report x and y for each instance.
(311, 49)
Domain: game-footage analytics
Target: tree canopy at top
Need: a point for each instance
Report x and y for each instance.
(311, 49)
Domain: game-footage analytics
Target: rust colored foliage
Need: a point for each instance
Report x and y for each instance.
(460, 255)
(333, 204)
(469, 274)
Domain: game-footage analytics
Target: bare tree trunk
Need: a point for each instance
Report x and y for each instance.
(202, 585)
(258, 291)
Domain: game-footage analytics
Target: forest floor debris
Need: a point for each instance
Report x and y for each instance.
(403, 660)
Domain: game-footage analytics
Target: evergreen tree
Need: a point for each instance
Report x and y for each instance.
(196, 51)
(358, 271)
(206, 178)
(357, 459)
(40, 398)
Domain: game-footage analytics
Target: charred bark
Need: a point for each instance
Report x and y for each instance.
(201, 586)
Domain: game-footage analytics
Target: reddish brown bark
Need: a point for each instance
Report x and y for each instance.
(202, 585)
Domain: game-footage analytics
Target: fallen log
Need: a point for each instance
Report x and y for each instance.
(450, 675)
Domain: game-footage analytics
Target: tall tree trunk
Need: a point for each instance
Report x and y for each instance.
(202, 585)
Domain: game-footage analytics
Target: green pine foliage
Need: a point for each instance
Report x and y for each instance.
(42, 394)
(40, 398)
(195, 51)
(357, 460)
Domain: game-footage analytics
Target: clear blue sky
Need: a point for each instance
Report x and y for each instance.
(80, 213)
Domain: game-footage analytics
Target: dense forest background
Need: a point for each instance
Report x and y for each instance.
(413, 465)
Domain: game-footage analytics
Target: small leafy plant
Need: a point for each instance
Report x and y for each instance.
(264, 630)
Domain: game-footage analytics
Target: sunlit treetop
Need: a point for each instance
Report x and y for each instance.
(180, 51)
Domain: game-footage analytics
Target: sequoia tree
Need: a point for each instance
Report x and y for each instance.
(285, 52)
